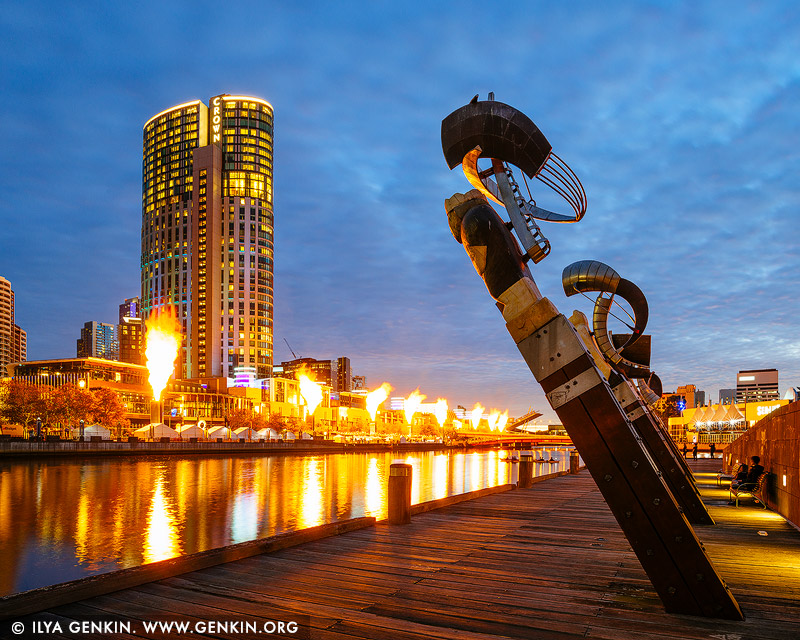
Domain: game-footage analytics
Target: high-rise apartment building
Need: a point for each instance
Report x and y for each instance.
(98, 340)
(207, 231)
(13, 340)
(757, 385)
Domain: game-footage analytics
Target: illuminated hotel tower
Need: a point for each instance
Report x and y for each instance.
(207, 231)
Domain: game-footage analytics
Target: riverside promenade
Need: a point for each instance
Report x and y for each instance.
(545, 562)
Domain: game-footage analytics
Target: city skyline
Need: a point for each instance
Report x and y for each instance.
(677, 119)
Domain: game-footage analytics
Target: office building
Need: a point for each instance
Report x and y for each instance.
(335, 374)
(757, 385)
(207, 231)
(727, 396)
(98, 340)
(130, 332)
(13, 340)
(129, 309)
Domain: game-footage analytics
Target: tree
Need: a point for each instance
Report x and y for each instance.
(20, 401)
(238, 418)
(71, 404)
(108, 409)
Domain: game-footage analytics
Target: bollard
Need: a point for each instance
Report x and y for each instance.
(525, 480)
(399, 493)
(574, 461)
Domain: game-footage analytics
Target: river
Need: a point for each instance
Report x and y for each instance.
(66, 519)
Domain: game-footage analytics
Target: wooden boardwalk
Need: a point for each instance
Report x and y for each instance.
(546, 562)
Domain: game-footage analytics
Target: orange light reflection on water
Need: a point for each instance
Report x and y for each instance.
(311, 495)
(161, 537)
(61, 520)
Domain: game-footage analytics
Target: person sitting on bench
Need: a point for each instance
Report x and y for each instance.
(753, 474)
(740, 475)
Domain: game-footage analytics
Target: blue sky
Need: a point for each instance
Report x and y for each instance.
(681, 119)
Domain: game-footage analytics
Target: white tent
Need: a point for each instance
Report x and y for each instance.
(96, 430)
(272, 434)
(290, 436)
(191, 431)
(220, 432)
(245, 432)
(155, 430)
(306, 436)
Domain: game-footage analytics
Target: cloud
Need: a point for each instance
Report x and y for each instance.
(678, 118)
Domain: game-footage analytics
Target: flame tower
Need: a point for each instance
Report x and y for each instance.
(207, 231)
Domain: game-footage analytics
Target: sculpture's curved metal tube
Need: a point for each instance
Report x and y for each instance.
(492, 129)
(650, 388)
(491, 247)
(593, 275)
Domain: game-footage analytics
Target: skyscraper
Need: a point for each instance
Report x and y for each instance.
(13, 340)
(207, 231)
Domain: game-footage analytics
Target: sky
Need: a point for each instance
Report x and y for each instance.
(680, 118)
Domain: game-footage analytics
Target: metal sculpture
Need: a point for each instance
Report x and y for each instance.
(580, 394)
(593, 276)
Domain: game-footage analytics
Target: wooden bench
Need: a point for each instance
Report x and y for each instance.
(747, 489)
(723, 477)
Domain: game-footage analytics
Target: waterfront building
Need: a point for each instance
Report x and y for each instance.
(719, 423)
(13, 339)
(128, 380)
(98, 340)
(183, 401)
(757, 385)
(207, 231)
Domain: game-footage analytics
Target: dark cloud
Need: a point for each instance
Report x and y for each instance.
(680, 119)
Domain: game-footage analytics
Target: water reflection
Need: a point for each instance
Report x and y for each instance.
(61, 519)
(161, 537)
(375, 497)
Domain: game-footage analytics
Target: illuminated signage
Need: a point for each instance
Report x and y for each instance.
(746, 378)
(762, 411)
(216, 120)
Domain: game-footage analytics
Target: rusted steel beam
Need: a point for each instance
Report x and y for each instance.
(659, 533)
(678, 479)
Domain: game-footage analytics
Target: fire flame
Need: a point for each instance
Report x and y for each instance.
(457, 424)
(440, 410)
(494, 416)
(163, 342)
(475, 415)
(311, 392)
(375, 398)
(411, 404)
(502, 421)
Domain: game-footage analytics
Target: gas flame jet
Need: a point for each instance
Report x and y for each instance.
(440, 411)
(311, 392)
(475, 415)
(411, 404)
(375, 398)
(502, 421)
(494, 416)
(163, 342)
